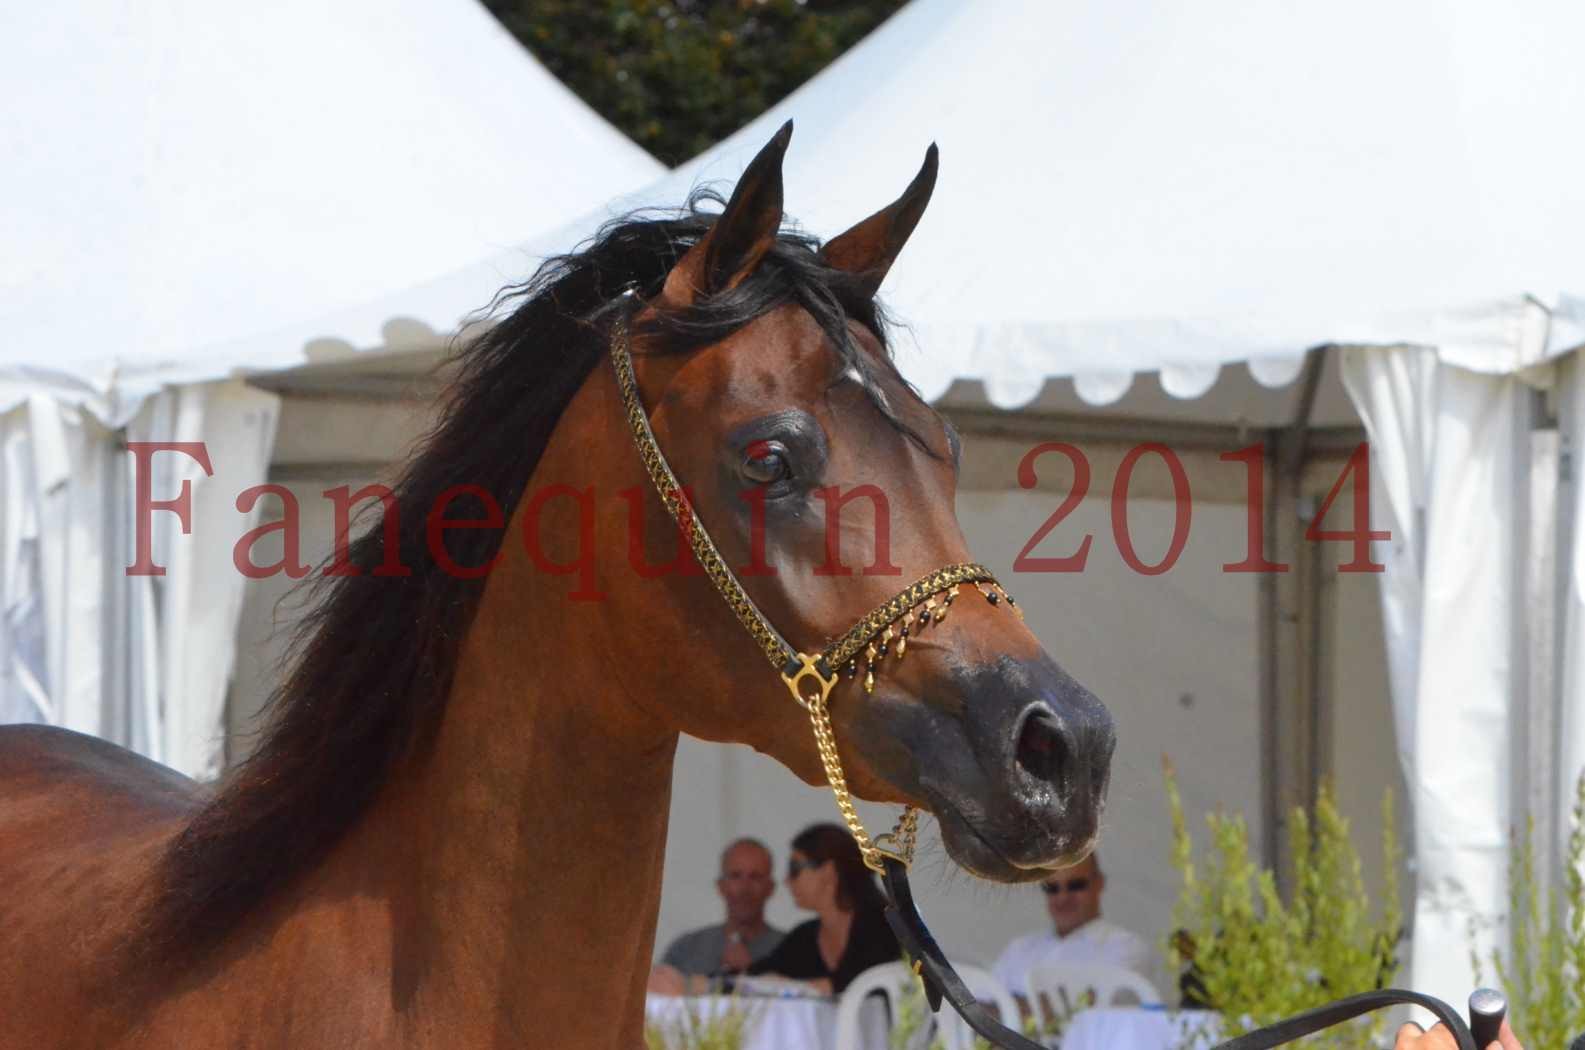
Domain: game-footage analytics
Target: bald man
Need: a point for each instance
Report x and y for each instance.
(745, 884)
(1078, 934)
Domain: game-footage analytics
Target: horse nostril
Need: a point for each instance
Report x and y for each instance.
(1042, 750)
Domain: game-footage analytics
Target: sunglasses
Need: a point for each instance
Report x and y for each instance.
(1072, 886)
(796, 868)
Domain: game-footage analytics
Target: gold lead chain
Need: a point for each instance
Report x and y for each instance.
(900, 843)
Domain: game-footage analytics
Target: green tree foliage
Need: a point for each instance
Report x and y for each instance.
(677, 76)
(1259, 958)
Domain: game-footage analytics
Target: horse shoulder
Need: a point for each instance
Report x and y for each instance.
(66, 764)
(312, 970)
(81, 824)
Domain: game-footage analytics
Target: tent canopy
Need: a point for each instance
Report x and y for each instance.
(1146, 187)
(185, 175)
(182, 180)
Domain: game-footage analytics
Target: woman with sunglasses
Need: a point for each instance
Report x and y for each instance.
(849, 934)
(826, 875)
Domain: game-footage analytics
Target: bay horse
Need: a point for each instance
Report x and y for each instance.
(452, 830)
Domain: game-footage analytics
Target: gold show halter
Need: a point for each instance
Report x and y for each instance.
(811, 678)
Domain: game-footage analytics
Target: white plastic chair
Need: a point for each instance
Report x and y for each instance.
(1062, 989)
(889, 981)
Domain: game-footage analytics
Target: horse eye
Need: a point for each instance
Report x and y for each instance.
(766, 464)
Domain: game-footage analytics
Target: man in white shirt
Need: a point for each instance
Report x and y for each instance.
(1078, 935)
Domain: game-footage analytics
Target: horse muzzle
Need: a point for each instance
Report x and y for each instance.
(1012, 756)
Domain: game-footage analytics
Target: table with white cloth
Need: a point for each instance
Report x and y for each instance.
(1141, 1028)
(774, 1024)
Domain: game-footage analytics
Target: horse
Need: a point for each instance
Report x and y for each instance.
(452, 829)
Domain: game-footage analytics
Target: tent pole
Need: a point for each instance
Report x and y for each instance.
(1288, 614)
(1536, 759)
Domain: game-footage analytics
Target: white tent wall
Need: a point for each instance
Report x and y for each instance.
(140, 659)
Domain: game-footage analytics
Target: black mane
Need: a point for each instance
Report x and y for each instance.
(373, 658)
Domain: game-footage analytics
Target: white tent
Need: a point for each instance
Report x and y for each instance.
(182, 180)
(1197, 191)
(182, 176)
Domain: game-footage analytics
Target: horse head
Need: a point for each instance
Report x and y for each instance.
(828, 487)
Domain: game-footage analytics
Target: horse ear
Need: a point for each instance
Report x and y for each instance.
(747, 228)
(869, 249)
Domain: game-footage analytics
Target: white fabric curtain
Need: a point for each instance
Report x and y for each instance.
(143, 661)
(57, 479)
(1450, 456)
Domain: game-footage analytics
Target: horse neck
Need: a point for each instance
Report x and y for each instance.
(543, 811)
(538, 829)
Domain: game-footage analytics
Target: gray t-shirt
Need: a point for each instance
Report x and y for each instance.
(699, 951)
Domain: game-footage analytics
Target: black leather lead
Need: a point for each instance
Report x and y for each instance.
(942, 982)
(1321, 1017)
(940, 979)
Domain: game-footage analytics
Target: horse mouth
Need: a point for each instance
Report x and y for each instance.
(976, 853)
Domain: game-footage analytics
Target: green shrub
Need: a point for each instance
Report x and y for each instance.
(912, 1019)
(1544, 967)
(1259, 958)
(697, 1029)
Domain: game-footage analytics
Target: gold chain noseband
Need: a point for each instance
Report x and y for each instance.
(811, 678)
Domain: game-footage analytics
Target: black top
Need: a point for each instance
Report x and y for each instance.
(870, 943)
